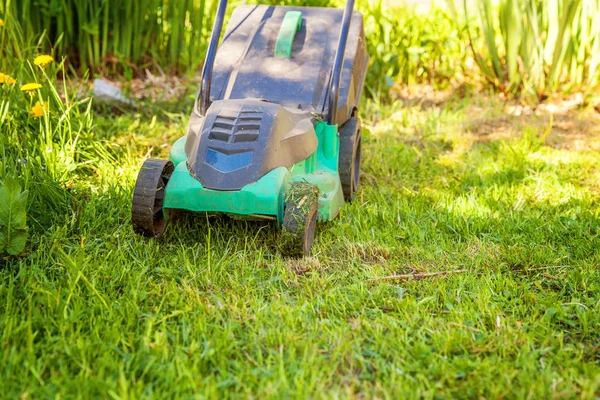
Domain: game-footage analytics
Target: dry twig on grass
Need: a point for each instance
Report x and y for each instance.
(421, 275)
(418, 275)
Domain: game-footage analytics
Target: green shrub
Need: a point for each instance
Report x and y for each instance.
(409, 46)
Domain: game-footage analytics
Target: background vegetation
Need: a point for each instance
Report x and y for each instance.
(114, 35)
(465, 175)
(535, 47)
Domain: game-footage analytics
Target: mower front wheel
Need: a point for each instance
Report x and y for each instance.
(147, 214)
(300, 219)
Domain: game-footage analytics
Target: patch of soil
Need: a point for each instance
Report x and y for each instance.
(426, 96)
(164, 88)
(571, 127)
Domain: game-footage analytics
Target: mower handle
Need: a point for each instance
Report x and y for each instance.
(336, 72)
(209, 61)
(203, 97)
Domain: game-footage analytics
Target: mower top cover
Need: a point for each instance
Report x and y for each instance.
(252, 61)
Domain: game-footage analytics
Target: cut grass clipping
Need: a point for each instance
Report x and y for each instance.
(301, 202)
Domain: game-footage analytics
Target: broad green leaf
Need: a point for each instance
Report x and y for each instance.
(13, 217)
(17, 242)
(12, 205)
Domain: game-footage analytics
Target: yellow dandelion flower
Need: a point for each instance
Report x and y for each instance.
(39, 109)
(43, 60)
(6, 79)
(1, 22)
(30, 87)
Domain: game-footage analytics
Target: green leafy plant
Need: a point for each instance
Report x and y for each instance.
(13, 218)
(536, 47)
(410, 46)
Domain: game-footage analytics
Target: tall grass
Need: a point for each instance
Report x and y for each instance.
(536, 47)
(115, 34)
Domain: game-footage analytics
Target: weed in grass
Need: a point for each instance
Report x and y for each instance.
(47, 141)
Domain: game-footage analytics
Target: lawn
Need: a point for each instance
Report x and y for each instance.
(504, 200)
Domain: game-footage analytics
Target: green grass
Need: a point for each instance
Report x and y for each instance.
(213, 310)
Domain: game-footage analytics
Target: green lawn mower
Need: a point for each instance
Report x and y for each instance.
(274, 133)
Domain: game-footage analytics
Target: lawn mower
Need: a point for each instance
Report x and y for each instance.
(263, 140)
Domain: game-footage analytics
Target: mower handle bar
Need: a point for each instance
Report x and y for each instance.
(209, 61)
(335, 77)
(336, 72)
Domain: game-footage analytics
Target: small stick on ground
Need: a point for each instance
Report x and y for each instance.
(418, 275)
(421, 275)
(539, 268)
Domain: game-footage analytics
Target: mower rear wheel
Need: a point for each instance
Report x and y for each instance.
(300, 219)
(147, 214)
(350, 157)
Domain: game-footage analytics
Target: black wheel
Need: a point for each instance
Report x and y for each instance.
(147, 214)
(300, 219)
(350, 153)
